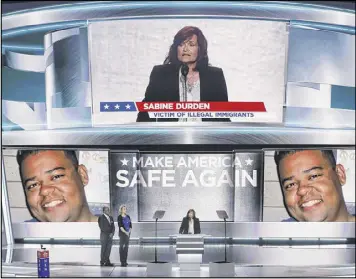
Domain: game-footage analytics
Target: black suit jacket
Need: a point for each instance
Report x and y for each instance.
(185, 226)
(164, 87)
(105, 226)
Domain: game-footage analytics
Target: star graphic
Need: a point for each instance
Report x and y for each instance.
(249, 162)
(124, 162)
(128, 106)
(106, 106)
(117, 106)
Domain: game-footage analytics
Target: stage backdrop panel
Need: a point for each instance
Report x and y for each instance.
(178, 182)
(347, 159)
(252, 55)
(122, 173)
(97, 191)
(248, 193)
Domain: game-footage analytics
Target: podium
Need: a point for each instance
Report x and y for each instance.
(190, 250)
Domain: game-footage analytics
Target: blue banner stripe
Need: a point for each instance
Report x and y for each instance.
(117, 106)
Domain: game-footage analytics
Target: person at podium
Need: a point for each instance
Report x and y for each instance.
(190, 223)
(186, 76)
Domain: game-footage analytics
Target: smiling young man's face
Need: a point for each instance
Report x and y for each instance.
(54, 187)
(312, 188)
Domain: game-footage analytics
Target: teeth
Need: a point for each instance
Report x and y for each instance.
(53, 203)
(310, 203)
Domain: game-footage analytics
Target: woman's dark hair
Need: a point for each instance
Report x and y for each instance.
(191, 210)
(182, 35)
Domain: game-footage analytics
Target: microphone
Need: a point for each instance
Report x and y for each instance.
(184, 71)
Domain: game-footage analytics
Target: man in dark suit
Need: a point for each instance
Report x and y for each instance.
(107, 229)
(186, 75)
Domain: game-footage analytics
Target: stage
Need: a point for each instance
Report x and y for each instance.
(83, 261)
(279, 81)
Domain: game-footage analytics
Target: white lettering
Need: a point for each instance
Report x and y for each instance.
(157, 106)
(193, 162)
(159, 162)
(138, 179)
(169, 162)
(137, 162)
(204, 162)
(190, 178)
(182, 163)
(246, 176)
(225, 178)
(228, 164)
(120, 177)
(237, 162)
(207, 178)
(166, 179)
(197, 106)
(155, 162)
(210, 180)
(151, 177)
(149, 163)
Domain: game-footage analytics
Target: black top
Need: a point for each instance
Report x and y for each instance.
(121, 223)
(104, 224)
(185, 226)
(164, 87)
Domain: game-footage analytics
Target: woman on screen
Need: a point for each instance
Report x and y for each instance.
(186, 76)
(125, 226)
(190, 223)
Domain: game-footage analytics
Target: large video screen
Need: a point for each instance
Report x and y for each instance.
(203, 62)
(309, 185)
(56, 185)
(74, 185)
(306, 185)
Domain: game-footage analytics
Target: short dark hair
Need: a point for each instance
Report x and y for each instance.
(182, 35)
(328, 154)
(191, 210)
(23, 154)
